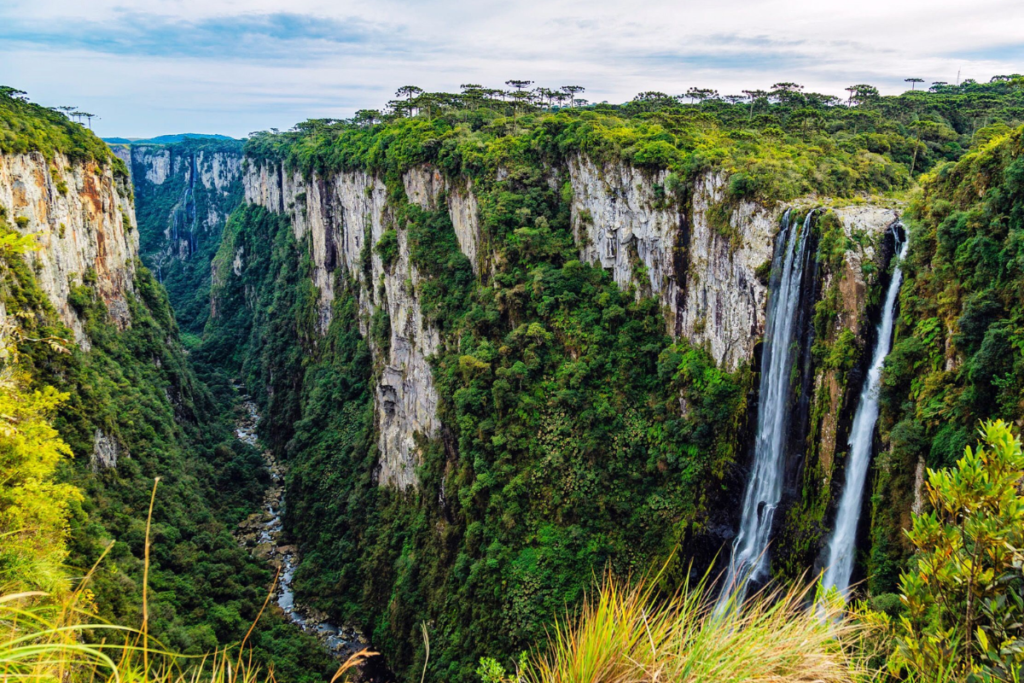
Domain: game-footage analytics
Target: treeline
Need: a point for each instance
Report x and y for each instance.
(775, 145)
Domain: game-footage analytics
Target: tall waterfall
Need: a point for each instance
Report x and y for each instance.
(862, 435)
(764, 490)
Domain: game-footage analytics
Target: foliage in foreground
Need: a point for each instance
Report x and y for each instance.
(965, 593)
(137, 387)
(624, 634)
(958, 355)
(49, 637)
(33, 506)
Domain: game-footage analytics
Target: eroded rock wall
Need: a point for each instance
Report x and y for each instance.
(344, 216)
(706, 262)
(705, 274)
(84, 223)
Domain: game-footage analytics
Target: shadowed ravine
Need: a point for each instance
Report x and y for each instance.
(262, 533)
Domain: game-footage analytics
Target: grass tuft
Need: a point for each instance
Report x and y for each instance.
(627, 634)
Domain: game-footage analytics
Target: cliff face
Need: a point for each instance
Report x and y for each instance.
(704, 275)
(705, 264)
(184, 193)
(344, 216)
(84, 223)
(192, 192)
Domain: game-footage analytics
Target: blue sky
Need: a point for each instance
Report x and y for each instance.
(235, 66)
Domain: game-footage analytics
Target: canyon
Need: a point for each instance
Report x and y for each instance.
(484, 365)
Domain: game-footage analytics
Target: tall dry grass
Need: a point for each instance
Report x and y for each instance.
(626, 634)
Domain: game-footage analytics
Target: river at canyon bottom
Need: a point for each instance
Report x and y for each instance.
(262, 534)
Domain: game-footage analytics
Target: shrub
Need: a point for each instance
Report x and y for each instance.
(625, 633)
(387, 248)
(964, 596)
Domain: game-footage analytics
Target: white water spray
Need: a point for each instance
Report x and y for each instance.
(764, 490)
(862, 435)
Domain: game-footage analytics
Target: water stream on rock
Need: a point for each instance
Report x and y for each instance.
(862, 436)
(261, 533)
(749, 560)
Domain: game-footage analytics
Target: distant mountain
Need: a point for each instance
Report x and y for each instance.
(165, 139)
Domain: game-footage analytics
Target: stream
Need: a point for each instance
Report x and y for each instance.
(262, 534)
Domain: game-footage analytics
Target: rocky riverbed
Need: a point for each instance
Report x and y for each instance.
(262, 533)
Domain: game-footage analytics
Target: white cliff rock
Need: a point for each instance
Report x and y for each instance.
(82, 221)
(706, 280)
(105, 451)
(423, 187)
(340, 214)
(217, 170)
(155, 160)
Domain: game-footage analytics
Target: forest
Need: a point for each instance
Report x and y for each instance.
(587, 457)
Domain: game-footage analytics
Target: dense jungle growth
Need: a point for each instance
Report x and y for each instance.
(557, 387)
(579, 439)
(136, 388)
(181, 218)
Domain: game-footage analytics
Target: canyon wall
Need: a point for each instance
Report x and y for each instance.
(84, 223)
(344, 216)
(185, 193)
(708, 266)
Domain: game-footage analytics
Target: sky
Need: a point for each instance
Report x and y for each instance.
(236, 66)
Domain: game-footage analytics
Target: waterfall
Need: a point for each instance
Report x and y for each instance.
(764, 490)
(862, 435)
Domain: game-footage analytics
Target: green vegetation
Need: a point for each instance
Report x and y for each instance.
(776, 146)
(180, 222)
(565, 446)
(577, 436)
(33, 506)
(546, 416)
(625, 633)
(958, 356)
(964, 591)
(29, 127)
(135, 392)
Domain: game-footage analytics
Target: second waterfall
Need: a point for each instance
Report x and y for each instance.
(749, 560)
(862, 436)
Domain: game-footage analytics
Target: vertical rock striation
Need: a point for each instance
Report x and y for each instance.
(344, 216)
(84, 224)
(706, 275)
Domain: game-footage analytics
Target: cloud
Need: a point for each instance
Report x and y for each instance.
(278, 36)
(204, 65)
(1012, 53)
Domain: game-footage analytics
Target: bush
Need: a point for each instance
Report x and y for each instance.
(965, 594)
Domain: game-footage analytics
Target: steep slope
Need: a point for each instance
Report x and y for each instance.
(495, 367)
(98, 326)
(958, 357)
(183, 194)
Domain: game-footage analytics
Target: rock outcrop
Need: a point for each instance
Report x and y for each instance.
(201, 185)
(707, 263)
(84, 223)
(704, 273)
(345, 215)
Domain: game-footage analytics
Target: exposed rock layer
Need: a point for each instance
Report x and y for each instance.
(704, 274)
(84, 224)
(344, 216)
(705, 263)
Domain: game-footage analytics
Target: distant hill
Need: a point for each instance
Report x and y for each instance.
(165, 139)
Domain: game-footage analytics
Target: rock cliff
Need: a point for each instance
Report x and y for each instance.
(704, 274)
(184, 193)
(344, 216)
(704, 259)
(84, 222)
